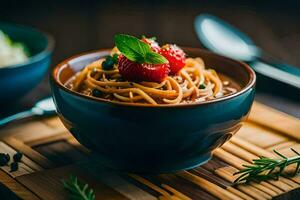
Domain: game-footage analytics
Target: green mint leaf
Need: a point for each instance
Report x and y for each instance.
(137, 51)
(155, 58)
(131, 47)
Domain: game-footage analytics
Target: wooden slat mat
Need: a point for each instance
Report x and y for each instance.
(51, 154)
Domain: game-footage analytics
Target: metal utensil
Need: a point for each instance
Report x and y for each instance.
(43, 107)
(222, 38)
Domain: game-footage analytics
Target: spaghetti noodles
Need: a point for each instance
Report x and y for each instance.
(194, 83)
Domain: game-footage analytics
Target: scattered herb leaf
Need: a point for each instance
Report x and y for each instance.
(77, 190)
(265, 168)
(137, 51)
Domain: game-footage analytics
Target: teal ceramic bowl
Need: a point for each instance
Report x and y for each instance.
(153, 139)
(17, 80)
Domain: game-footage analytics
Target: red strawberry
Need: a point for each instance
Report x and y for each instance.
(133, 71)
(154, 45)
(175, 56)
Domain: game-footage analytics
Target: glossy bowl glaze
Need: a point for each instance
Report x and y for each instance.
(17, 80)
(147, 138)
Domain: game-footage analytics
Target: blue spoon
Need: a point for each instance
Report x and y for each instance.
(44, 107)
(222, 38)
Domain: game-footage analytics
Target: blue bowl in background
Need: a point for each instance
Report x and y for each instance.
(17, 80)
(153, 139)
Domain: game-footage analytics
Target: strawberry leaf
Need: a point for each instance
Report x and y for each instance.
(137, 51)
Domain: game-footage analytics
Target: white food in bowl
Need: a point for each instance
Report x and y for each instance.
(11, 53)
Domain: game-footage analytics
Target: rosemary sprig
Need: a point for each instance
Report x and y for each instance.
(268, 168)
(77, 190)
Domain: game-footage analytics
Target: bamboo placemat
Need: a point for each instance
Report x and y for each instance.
(51, 154)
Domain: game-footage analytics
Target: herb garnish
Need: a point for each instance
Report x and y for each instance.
(150, 38)
(202, 86)
(109, 62)
(77, 190)
(268, 168)
(137, 51)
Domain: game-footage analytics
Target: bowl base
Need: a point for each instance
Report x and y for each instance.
(187, 165)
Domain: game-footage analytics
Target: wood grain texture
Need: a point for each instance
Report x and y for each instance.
(28, 131)
(208, 186)
(184, 186)
(260, 136)
(275, 120)
(48, 184)
(19, 189)
(121, 185)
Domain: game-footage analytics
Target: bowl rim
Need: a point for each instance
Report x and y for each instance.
(37, 57)
(251, 83)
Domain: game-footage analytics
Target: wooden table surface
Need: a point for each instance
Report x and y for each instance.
(78, 26)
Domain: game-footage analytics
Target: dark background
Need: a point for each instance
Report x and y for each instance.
(79, 26)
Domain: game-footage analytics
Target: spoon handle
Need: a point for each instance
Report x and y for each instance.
(15, 117)
(277, 74)
(287, 68)
(275, 62)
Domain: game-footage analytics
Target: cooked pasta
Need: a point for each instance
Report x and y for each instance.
(193, 83)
